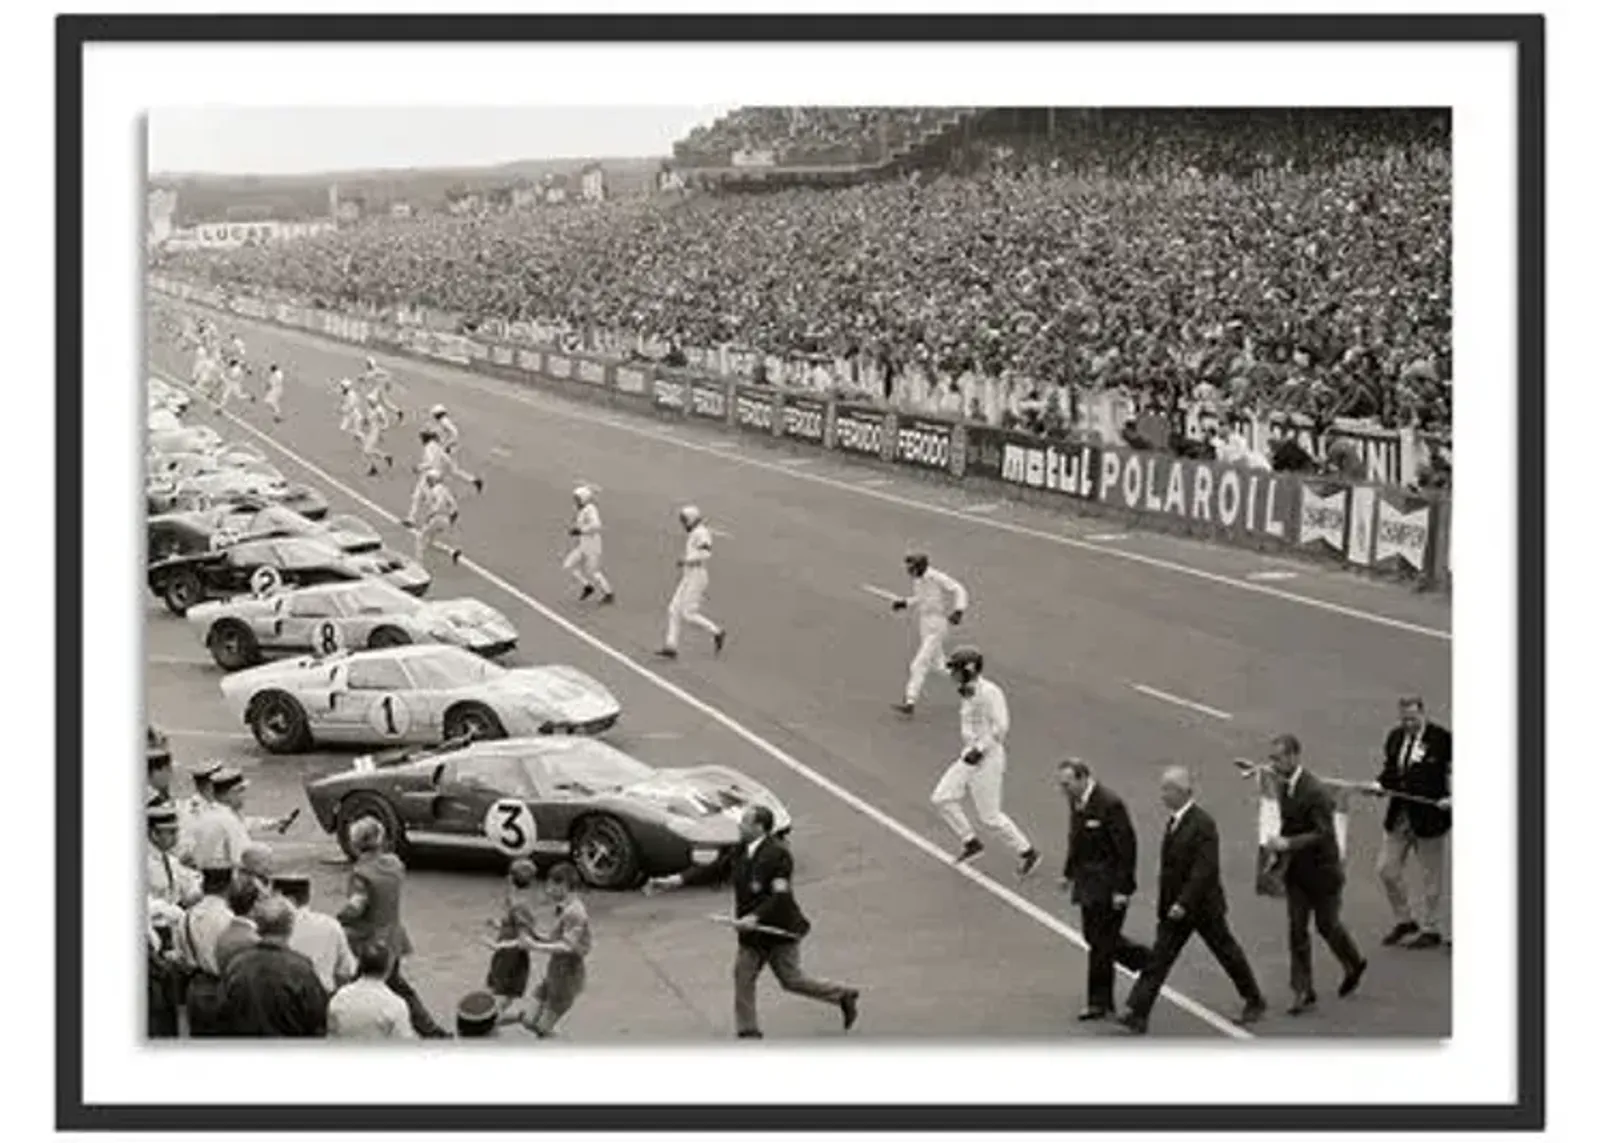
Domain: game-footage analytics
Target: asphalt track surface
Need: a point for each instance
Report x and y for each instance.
(1131, 650)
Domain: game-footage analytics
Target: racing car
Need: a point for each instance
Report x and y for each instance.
(182, 438)
(183, 581)
(259, 481)
(176, 533)
(421, 694)
(616, 818)
(244, 631)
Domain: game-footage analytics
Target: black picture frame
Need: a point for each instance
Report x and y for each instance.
(1526, 32)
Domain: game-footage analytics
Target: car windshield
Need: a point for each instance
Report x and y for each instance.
(590, 769)
(448, 668)
(376, 597)
(306, 553)
(280, 520)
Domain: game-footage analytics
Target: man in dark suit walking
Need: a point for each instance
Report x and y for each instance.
(770, 925)
(1190, 901)
(1416, 761)
(1313, 874)
(1102, 856)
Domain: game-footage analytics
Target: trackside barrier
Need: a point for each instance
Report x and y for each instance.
(1382, 529)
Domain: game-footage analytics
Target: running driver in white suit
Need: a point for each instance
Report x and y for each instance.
(691, 592)
(938, 602)
(380, 384)
(449, 435)
(274, 394)
(436, 511)
(435, 460)
(981, 769)
(583, 562)
(350, 416)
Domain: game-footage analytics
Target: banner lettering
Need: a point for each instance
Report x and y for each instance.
(1323, 516)
(803, 419)
(631, 379)
(591, 372)
(858, 430)
(669, 394)
(1250, 502)
(558, 366)
(709, 401)
(1402, 534)
(754, 411)
(923, 443)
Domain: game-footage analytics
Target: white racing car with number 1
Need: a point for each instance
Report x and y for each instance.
(421, 694)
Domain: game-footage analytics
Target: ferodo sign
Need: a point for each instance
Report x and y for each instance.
(804, 419)
(753, 410)
(858, 430)
(1221, 497)
(925, 444)
(709, 400)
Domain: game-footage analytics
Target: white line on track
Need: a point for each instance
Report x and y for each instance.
(792, 462)
(875, 482)
(1177, 701)
(1102, 537)
(176, 661)
(1272, 576)
(893, 825)
(985, 509)
(230, 735)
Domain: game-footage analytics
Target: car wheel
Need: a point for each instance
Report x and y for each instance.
(605, 853)
(388, 637)
(361, 805)
(233, 645)
(181, 590)
(472, 720)
(279, 723)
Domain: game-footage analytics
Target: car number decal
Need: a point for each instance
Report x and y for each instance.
(510, 826)
(389, 716)
(326, 638)
(265, 580)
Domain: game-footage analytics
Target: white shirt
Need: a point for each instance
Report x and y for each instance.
(275, 379)
(588, 521)
(1177, 814)
(697, 548)
(934, 595)
(448, 433)
(985, 718)
(351, 405)
(167, 878)
(322, 941)
(220, 837)
(206, 920)
(437, 500)
(433, 458)
(368, 1009)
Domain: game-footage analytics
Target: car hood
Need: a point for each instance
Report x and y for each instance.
(461, 612)
(713, 797)
(564, 692)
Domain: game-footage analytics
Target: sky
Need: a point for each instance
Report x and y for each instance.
(283, 141)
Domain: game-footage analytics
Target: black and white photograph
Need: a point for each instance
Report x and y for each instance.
(867, 559)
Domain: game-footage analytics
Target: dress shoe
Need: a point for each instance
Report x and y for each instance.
(905, 708)
(1352, 979)
(1252, 1013)
(1094, 1012)
(1399, 933)
(750, 1036)
(1028, 862)
(1138, 1025)
(1303, 1002)
(849, 1005)
(969, 849)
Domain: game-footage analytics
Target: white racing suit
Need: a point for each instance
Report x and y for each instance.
(934, 595)
(434, 459)
(691, 590)
(984, 723)
(436, 518)
(583, 561)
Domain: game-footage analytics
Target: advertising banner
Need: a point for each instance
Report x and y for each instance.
(860, 430)
(709, 399)
(383, 334)
(591, 372)
(530, 360)
(1403, 526)
(671, 394)
(502, 355)
(1216, 497)
(1362, 500)
(632, 379)
(804, 419)
(1027, 461)
(923, 443)
(1324, 516)
(476, 350)
(558, 365)
(451, 347)
(249, 307)
(755, 410)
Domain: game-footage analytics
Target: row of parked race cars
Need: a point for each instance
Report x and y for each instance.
(326, 640)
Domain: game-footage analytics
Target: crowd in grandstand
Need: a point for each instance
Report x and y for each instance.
(810, 135)
(1239, 261)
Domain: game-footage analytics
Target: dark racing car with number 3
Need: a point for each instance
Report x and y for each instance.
(298, 561)
(616, 818)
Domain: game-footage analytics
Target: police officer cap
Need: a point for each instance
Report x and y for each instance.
(160, 814)
(476, 1014)
(226, 778)
(292, 882)
(207, 770)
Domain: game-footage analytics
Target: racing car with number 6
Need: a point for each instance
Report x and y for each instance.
(420, 694)
(616, 818)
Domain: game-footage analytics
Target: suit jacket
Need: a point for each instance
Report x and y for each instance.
(1312, 863)
(1191, 868)
(381, 876)
(1102, 849)
(1427, 776)
(763, 888)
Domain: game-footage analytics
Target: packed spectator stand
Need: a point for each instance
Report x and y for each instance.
(1014, 266)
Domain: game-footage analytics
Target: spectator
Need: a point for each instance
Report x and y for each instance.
(244, 894)
(367, 1008)
(203, 923)
(316, 936)
(270, 990)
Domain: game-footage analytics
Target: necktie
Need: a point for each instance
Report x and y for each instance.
(1172, 823)
(1405, 756)
(166, 861)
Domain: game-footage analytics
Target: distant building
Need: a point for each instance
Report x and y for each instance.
(526, 198)
(160, 205)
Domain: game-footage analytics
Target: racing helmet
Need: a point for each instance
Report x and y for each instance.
(583, 494)
(916, 562)
(438, 411)
(690, 515)
(965, 664)
(372, 363)
(346, 384)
